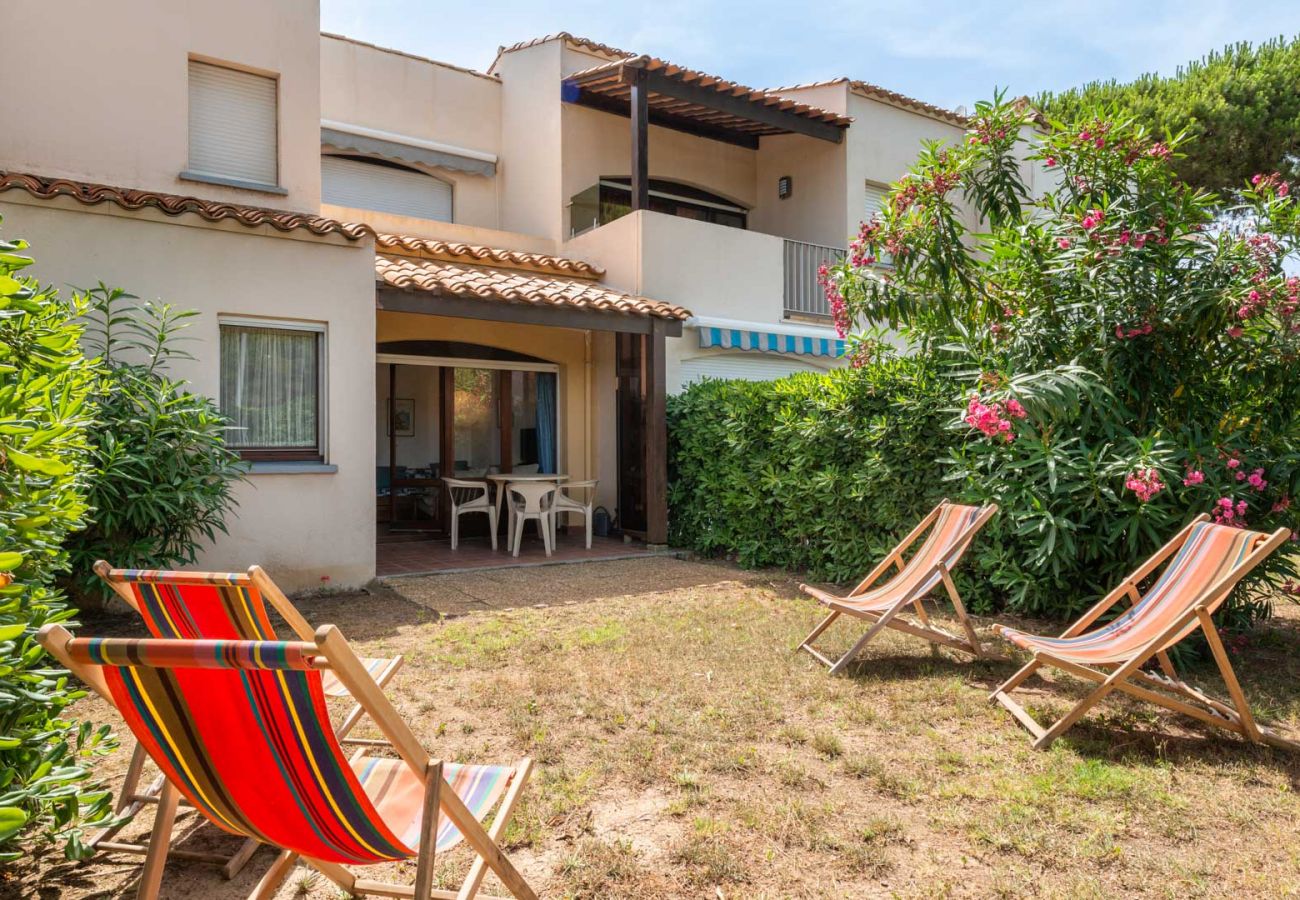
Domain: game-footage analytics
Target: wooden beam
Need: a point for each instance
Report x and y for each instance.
(640, 117)
(740, 107)
(684, 124)
(446, 440)
(434, 303)
(656, 436)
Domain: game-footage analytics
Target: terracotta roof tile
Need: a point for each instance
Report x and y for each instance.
(593, 79)
(877, 92)
(568, 38)
(514, 286)
(176, 205)
(401, 244)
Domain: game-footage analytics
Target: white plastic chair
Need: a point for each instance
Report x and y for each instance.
(470, 497)
(531, 500)
(567, 504)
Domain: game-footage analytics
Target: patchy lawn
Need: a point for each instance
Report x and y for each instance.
(684, 750)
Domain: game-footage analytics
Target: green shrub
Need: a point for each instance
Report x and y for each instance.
(44, 384)
(815, 472)
(162, 474)
(1122, 361)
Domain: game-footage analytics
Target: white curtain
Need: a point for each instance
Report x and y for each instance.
(269, 386)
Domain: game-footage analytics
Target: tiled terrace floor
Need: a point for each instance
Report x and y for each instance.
(417, 557)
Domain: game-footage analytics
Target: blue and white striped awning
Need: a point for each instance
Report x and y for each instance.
(802, 345)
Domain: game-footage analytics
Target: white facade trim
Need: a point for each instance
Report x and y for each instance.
(407, 139)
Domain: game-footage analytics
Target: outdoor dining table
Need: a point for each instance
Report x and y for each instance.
(501, 479)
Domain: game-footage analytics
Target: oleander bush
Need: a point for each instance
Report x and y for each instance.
(162, 476)
(1104, 359)
(1123, 356)
(46, 790)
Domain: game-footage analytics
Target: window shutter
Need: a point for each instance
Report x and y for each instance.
(875, 199)
(232, 124)
(366, 185)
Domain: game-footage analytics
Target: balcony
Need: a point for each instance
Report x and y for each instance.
(803, 296)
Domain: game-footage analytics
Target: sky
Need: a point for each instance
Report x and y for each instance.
(948, 52)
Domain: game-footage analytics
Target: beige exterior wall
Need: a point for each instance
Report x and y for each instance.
(532, 200)
(108, 100)
(307, 530)
(815, 210)
(388, 91)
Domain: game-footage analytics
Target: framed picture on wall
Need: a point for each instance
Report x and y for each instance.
(403, 418)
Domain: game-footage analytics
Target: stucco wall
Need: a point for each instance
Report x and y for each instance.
(106, 97)
(815, 210)
(530, 173)
(302, 528)
(388, 91)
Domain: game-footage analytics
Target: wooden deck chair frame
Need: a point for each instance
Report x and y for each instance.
(1166, 689)
(332, 651)
(889, 618)
(132, 799)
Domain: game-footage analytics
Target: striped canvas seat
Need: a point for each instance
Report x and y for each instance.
(398, 795)
(241, 730)
(1202, 564)
(1209, 553)
(949, 530)
(945, 543)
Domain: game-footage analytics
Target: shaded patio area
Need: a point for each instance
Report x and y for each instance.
(428, 556)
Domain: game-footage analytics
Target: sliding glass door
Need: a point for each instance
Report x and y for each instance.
(445, 419)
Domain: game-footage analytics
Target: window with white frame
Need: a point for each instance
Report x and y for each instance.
(273, 388)
(233, 126)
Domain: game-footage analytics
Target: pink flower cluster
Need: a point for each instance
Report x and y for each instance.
(993, 419)
(1159, 150)
(834, 299)
(1283, 504)
(1128, 333)
(1145, 483)
(1092, 219)
(1228, 513)
(1255, 479)
(860, 248)
(1270, 184)
(1193, 477)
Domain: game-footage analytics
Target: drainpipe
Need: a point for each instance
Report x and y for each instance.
(586, 421)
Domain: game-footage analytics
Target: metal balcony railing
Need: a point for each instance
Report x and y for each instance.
(803, 296)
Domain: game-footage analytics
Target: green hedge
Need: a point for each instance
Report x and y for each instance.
(821, 473)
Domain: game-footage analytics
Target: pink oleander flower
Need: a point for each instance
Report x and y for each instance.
(1282, 505)
(1256, 479)
(1159, 151)
(1145, 483)
(1236, 331)
(1051, 161)
(1226, 512)
(1193, 477)
(1233, 462)
(993, 419)
(1063, 243)
(1092, 219)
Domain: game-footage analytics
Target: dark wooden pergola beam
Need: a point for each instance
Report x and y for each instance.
(740, 107)
(684, 124)
(639, 113)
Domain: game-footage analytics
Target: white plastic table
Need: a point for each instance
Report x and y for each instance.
(501, 479)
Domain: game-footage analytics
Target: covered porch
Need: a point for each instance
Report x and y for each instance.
(492, 363)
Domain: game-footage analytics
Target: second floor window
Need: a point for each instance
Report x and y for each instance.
(364, 183)
(233, 125)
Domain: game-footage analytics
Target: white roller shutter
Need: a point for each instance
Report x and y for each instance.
(743, 366)
(232, 124)
(364, 185)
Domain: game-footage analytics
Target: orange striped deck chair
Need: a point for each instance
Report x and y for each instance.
(286, 781)
(213, 606)
(1205, 562)
(951, 528)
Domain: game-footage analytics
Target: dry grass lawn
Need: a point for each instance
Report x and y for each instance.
(683, 750)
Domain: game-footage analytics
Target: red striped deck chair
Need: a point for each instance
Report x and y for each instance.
(286, 781)
(213, 606)
(952, 527)
(1205, 562)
